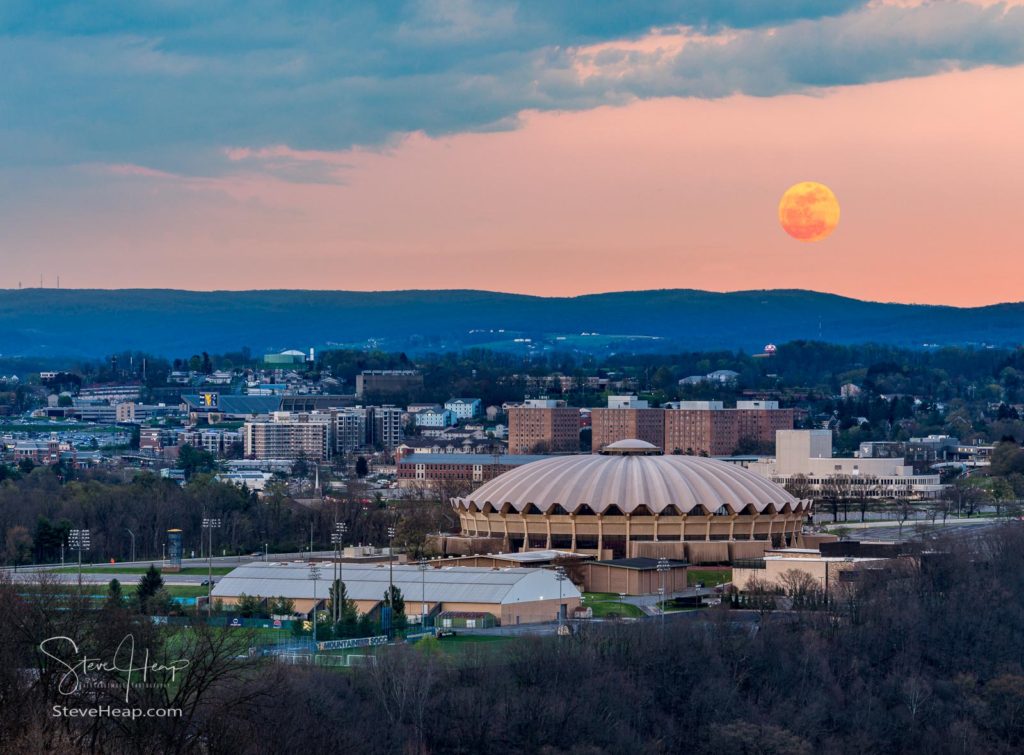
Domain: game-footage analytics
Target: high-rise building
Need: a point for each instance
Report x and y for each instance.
(626, 417)
(543, 426)
(289, 437)
(387, 426)
(350, 430)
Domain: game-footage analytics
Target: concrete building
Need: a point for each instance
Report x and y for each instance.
(464, 408)
(543, 426)
(388, 382)
(808, 454)
(350, 433)
(631, 494)
(511, 596)
(387, 426)
(289, 437)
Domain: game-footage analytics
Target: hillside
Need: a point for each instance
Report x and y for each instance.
(42, 322)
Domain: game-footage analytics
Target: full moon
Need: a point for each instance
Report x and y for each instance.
(809, 211)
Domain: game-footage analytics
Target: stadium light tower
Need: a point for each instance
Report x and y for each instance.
(210, 524)
(314, 574)
(79, 540)
(560, 576)
(340, 528)
(663, 569)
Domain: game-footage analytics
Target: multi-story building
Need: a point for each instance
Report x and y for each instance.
(807, 454)
(388, 382)
(435, 418)
(387, 426)
(289, 437)
(350, 433)
(543, 425)
(438, 468)
(464, 408)
(112, 393)
(217, 441)
(626, 417)
(708, 428)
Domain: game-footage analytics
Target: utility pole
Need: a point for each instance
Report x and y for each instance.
(209, 524)
(133, 543)
(560, 576)
(391, 579)
(423, 594)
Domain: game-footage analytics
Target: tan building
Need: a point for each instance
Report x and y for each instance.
(633, 576)
(543, 426)
(807, 454)
(388, 382)
(830, 564)
(511, 596)
(289, 437)
(629, 494)
(609, 425)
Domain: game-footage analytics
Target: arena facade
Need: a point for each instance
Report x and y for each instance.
(625, 500)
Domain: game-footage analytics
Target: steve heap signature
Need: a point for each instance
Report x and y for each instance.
(123, 661)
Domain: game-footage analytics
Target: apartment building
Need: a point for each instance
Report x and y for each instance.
(626, 417)
(707, 427)
(289, 437)
(543, 425)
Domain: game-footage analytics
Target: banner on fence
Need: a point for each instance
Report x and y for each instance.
(355, 642)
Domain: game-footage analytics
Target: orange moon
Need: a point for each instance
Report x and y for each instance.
(809, 211)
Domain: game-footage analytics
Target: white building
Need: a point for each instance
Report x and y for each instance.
(626, 402)
(808, 453)
(464, 408)
(435, 418)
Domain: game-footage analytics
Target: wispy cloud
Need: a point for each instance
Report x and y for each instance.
(170, 86)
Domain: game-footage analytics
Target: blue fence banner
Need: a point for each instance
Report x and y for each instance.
(355, 642)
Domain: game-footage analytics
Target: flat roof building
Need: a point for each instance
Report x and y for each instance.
(511, 596)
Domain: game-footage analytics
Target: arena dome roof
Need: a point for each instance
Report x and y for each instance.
(627, 482)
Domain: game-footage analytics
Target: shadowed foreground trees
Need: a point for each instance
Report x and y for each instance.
(927, 658)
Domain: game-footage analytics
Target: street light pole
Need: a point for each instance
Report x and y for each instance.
(423, 593)
(133, 543)
(337, 537)
(391, 579)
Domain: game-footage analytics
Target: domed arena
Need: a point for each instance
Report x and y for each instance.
(629, 495)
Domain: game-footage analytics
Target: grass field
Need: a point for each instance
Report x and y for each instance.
(710, 577)
(607, 605)
(218, 571)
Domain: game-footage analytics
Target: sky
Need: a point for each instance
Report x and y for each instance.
(541, 147)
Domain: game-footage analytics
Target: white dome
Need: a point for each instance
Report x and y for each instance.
(628, 482)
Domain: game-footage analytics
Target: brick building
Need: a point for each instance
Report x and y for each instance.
(543, 426)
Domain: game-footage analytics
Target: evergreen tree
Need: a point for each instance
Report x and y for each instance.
(149, 584)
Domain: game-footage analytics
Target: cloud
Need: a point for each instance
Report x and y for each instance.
(171, 86)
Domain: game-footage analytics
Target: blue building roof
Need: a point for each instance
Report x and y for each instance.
(240, 405)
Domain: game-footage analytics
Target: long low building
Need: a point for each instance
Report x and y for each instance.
(511, 596)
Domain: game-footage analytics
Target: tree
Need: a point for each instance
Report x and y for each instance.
(282, 606)
(347, 612)
(362, 467)
(26, 465)
(149, 584)
(115, 596)
(799, 486)
(250, 606)
(192, 460)
(19, 545)
(394, 600)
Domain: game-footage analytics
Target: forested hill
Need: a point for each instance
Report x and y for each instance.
(91, 322)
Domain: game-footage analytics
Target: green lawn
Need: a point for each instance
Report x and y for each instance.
(710, 577)
(218, 571)
(607, 605)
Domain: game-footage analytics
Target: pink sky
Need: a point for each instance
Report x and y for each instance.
(665, 193)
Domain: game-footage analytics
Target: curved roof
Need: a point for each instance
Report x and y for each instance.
(628, 482)
(631, 444)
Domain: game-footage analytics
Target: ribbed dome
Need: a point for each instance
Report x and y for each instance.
(628, 482)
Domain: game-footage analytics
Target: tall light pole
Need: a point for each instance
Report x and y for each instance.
(663, 569)
(80, 540)
(133, 543)
(209, 524)
(391, 579)
(423, 592)
(560, 576)
(314, 574)
(340, 528)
